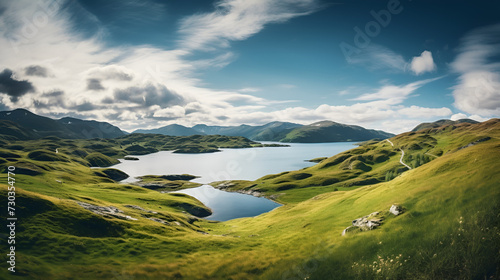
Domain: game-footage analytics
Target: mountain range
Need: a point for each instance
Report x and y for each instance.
(324, 131)
(22, 124)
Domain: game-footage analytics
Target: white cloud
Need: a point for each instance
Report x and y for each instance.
(478, 88)
(395, 94)
(478, 118)
(383, 110)
(74, 62)
(422, 112)
(173, 112)
(377, 57)
(423, 63)
(459, 116)
(131, 77)
(249, 89)
(236, 20)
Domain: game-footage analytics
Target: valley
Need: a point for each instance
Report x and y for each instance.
(450, 204)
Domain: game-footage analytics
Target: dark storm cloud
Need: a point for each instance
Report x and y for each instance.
(87, 106)
(41, 104)
(55, 93)
(222, 118)
(193, 108)
(108, 100)
(117, 75)
(113, 116)
(86, 116)
(36, 70)
(148, 96)
(94, 84)
(12, 87)
(50, 99)
(3, 107)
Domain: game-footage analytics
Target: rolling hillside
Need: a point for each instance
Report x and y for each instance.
(327, 131)
(442, 123)
(448, 227)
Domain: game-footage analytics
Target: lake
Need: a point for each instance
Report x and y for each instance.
(231, 164)
(230, 205)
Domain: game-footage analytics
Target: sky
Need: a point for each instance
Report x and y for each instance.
(386, 65)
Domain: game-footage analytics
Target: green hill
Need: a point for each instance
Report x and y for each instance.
(442, 123)
(327, 131)
(79, 225)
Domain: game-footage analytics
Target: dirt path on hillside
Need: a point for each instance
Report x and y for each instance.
(402, 155)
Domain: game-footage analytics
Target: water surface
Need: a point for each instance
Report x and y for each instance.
(231, 164)
(230, 205)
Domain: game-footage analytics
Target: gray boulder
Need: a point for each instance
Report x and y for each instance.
(365, 223)
(396, 209)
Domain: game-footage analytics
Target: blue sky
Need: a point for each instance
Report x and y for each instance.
(141, 64)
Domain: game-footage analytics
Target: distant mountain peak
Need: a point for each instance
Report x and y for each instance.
(44, 126)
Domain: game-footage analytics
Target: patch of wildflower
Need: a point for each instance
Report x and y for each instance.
(381, 268)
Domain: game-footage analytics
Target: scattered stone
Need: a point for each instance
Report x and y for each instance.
(228, 184)
(346, 230)
(396, 209)
(475, 142)
(109, 211)
(140, 208)
(251, 192)
(365, 223)
(130, 218)
(225, 185)
(158, 220)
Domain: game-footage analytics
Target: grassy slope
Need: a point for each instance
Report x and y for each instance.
(327, 131)
(450, 229)
(364, 165)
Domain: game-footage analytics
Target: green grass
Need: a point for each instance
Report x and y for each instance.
(450, 229)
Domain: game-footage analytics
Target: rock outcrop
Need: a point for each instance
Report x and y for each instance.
(475, 142)
(226, 185)
(140, 208)
(109, 211)
(371, 221)
(365, 223)
(396, 210)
